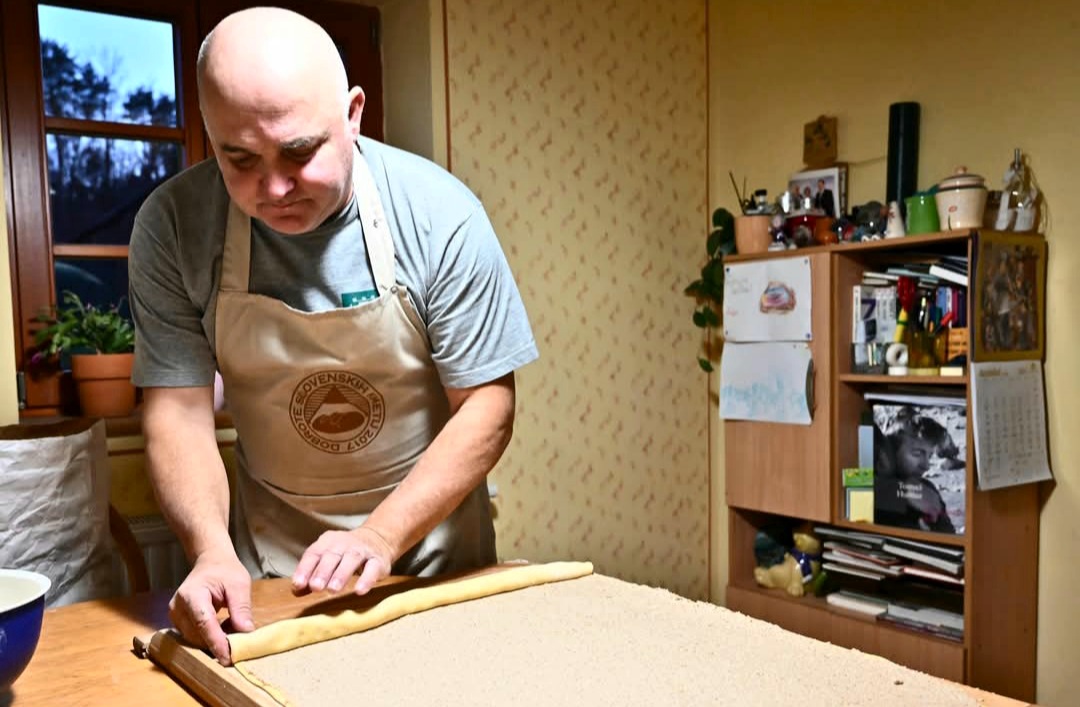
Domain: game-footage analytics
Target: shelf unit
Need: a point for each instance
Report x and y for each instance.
(776, 471)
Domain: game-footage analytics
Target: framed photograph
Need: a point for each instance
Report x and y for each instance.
(826, 187)
(819, 142)
(1010, 296)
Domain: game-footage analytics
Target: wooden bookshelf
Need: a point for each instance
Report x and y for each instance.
(868, 379)
(903, 533)
(781, 473)
(813, 617)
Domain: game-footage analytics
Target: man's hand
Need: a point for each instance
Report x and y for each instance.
(332, 559)
(216, 581)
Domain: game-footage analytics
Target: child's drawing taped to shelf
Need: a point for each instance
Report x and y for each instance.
(767, 382)
(768, 300)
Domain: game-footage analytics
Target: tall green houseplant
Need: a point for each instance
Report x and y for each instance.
(708, 290)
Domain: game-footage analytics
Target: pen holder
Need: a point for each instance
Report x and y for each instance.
(921, 350)
(957, 343)
(752, 233)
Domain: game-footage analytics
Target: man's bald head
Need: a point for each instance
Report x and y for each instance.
(269, 51)
(280, 115)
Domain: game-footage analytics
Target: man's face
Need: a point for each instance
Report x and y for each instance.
(286, 162)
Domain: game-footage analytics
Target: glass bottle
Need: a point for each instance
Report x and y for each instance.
(1010, 194)
(1017, 209)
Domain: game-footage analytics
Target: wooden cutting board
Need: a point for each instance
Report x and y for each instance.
(272, 600)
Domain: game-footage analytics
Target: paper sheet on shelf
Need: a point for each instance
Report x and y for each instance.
(768, 300)
(1009, 419)
(767, 382)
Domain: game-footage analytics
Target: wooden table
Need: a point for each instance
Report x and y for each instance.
(85, 654)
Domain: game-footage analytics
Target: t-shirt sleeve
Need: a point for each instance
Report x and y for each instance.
(477, 324)
(171, 346)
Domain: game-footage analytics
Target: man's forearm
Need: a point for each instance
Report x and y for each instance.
(185, 467)
(457, 460)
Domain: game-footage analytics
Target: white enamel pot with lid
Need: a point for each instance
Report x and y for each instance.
(961, 200)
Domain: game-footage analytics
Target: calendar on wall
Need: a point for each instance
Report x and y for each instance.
(1009, 423)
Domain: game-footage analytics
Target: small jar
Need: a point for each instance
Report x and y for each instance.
(961, 200)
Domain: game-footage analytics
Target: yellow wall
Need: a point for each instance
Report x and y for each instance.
(9, 399)
(582, 127)
(990, 76)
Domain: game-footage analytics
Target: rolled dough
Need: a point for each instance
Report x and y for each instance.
(295, 633)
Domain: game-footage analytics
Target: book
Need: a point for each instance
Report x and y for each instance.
(952, 566)
(853, 537)
(857, 476)
(859, 504)
(852, 561)
(854, 571)
(939, 631)
(875, 556)
(866, 444)
(857, 601)
(920, 461)
(938, 550)
(873, 315)
(921, 399)
(930, 615)
(924, 573)
(949, 274)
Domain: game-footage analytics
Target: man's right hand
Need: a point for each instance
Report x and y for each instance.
(216, 581)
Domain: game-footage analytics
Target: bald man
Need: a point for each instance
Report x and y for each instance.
(364, 321)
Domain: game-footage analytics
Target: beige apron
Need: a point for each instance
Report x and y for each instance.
(332, 409)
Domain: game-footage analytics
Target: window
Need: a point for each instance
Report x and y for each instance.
(99, 107)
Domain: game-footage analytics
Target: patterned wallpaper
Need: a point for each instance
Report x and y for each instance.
(582, 126)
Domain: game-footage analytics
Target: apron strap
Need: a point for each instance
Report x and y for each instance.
(236, 260)
(380, 245)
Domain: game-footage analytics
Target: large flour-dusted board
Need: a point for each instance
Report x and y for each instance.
(589, 641)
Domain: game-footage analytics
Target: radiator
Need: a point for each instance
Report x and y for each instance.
(165, 561)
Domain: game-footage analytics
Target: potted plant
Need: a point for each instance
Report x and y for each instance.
(708, 289)
(101, 344)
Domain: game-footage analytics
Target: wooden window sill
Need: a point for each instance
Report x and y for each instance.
(129, 426)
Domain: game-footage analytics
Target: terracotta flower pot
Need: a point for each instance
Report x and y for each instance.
(104, 384)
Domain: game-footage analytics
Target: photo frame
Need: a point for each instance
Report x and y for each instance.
(816, 182)
(1009, 308)
(819, 142)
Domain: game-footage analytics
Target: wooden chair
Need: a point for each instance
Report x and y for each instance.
(130, 552)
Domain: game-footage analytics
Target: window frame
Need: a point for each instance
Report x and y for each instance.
(26, 180)
(24, 126)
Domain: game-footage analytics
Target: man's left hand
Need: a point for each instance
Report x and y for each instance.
(337, 555)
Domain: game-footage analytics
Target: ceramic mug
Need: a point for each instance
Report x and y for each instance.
(922, 215)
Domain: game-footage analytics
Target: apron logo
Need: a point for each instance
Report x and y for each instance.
(337, 411)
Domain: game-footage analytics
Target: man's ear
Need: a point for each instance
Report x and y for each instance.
(355, 110)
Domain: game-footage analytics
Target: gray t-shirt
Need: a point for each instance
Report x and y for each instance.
(446, 255)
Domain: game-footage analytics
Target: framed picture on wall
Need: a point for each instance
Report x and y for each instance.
(826, 188)
(1010, 295)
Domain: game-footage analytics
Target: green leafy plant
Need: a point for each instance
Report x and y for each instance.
(708, 289)
(76, 327)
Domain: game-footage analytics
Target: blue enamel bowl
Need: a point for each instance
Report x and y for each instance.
(22, 607)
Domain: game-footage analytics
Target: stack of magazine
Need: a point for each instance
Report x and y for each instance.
(907, 583)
